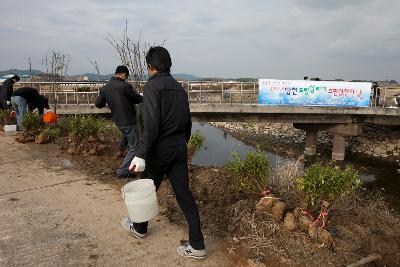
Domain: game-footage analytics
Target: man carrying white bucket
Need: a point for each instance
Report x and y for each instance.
(163, 148)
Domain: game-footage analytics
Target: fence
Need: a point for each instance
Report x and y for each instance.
(85, 93)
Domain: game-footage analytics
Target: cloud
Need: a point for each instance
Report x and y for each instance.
(254, 38)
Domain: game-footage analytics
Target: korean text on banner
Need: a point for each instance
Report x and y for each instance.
(314, 93)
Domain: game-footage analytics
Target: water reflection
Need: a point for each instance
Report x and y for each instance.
(220, 145)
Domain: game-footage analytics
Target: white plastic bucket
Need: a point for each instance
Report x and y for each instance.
(140, 200)
(10, 129)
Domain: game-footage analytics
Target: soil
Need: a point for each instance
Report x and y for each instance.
(358, 226)
(54, 213)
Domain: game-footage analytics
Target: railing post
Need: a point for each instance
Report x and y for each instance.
(189, 85)
(384, 99)
(222, 92)
(201, 96)
(241, 93)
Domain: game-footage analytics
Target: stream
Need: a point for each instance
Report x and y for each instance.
(375, 174)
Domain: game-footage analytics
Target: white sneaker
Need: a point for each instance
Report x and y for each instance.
(186, 250)
(130, 227)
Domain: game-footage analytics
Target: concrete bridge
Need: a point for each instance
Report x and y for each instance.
(337, 121)
(236, 102)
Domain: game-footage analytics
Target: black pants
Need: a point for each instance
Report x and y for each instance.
(3, 104)
(173, 163)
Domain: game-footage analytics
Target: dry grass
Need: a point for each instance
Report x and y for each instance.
(283, 180)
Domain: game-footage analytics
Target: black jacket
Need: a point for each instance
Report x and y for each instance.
(166, 114)
(6, 89)
(121, 99)
(33, 99)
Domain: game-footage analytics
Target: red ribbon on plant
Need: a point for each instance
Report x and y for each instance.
(266, 191)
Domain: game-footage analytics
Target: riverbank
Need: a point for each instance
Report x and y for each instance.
(360, 225)
(381, 142)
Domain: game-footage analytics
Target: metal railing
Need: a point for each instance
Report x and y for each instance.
(71, 93)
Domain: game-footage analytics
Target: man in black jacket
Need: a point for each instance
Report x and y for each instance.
(163, 148)
(6, 91)
(27, 97)
(121, 98)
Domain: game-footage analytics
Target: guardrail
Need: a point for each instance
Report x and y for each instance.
(198, 92)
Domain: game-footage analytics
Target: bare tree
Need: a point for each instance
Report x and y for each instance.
(56, 65)
(96, 67)
(132, 53)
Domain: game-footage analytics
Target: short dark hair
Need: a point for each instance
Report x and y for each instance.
(122, 69)
(158, 57)
(16, 77)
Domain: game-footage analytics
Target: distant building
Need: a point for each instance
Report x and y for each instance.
(82, 78)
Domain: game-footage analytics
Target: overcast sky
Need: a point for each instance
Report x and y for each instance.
(286, 39)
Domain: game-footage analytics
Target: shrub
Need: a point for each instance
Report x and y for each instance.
(6, 117)
(252, 172)
(109, 132)
(84, 126)
(326, 182)
(52, 132)
(32, 121)
(196, 141)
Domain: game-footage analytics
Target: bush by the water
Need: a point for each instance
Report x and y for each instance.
(196, 141)
(251, 174)
(326, 183)
(32, 121)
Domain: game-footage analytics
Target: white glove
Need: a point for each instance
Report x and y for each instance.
(8, 103)
(137, 165)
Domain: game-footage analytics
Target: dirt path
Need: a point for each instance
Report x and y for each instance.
(54, 215)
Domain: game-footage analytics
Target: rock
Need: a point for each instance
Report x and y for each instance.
(29, 139)
(312, 231)
(362, 140)
(71, 150)
(92, 151)
(252, 263)
(265, 204)
(290, 222)
(379, 151)
(42, 139)
(304, 223)
(324, 237)
(278, 210)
